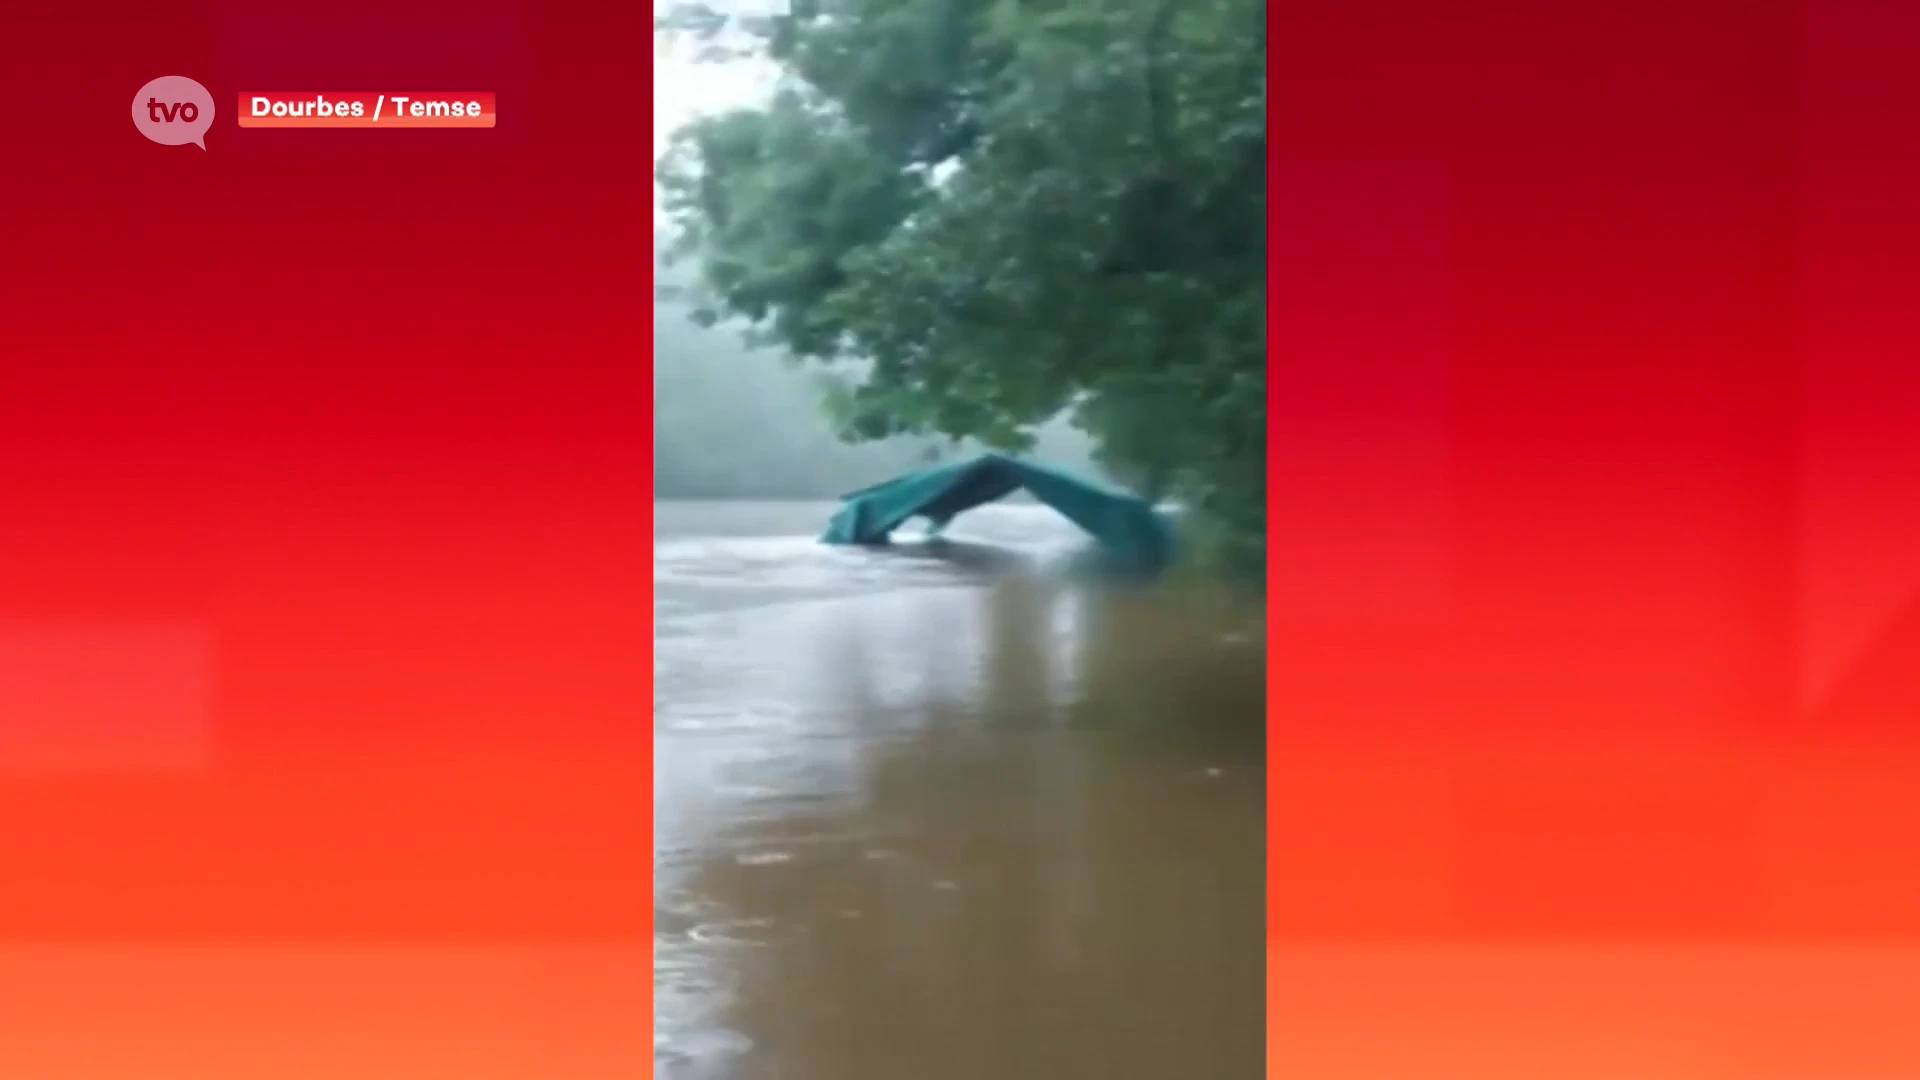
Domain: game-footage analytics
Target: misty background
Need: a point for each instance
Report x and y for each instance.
(734, 422)
(744, 423)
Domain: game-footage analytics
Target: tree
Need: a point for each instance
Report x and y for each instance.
(990, 212)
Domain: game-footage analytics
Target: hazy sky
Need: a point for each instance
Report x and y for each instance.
(684, 89)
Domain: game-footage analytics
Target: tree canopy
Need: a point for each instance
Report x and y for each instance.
(985, 213)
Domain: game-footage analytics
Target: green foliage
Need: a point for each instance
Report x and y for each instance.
(987, 213)
(732, 422)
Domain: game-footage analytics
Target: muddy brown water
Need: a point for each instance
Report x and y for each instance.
(941, 812)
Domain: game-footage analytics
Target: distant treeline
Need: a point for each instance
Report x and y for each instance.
(733, 422)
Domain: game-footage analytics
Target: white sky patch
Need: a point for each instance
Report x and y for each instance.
(761, 8)
(685, 89)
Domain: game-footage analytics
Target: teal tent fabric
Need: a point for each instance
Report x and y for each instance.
(1129, 531)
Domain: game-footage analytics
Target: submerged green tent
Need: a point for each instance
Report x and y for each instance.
(1130, 532)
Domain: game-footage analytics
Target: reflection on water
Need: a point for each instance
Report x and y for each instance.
(925, 814)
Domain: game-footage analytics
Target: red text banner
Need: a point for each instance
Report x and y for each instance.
(371, 109)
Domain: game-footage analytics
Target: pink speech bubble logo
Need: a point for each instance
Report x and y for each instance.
(173, 110)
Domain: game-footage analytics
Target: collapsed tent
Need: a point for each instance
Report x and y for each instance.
(1130, 532)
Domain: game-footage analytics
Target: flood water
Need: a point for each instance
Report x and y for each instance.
(939, 813)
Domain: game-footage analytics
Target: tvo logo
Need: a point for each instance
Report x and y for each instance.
(174, 110)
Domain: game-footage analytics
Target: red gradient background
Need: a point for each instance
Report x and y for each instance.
(1593, 468)
(1596, 649)
(324, 515)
